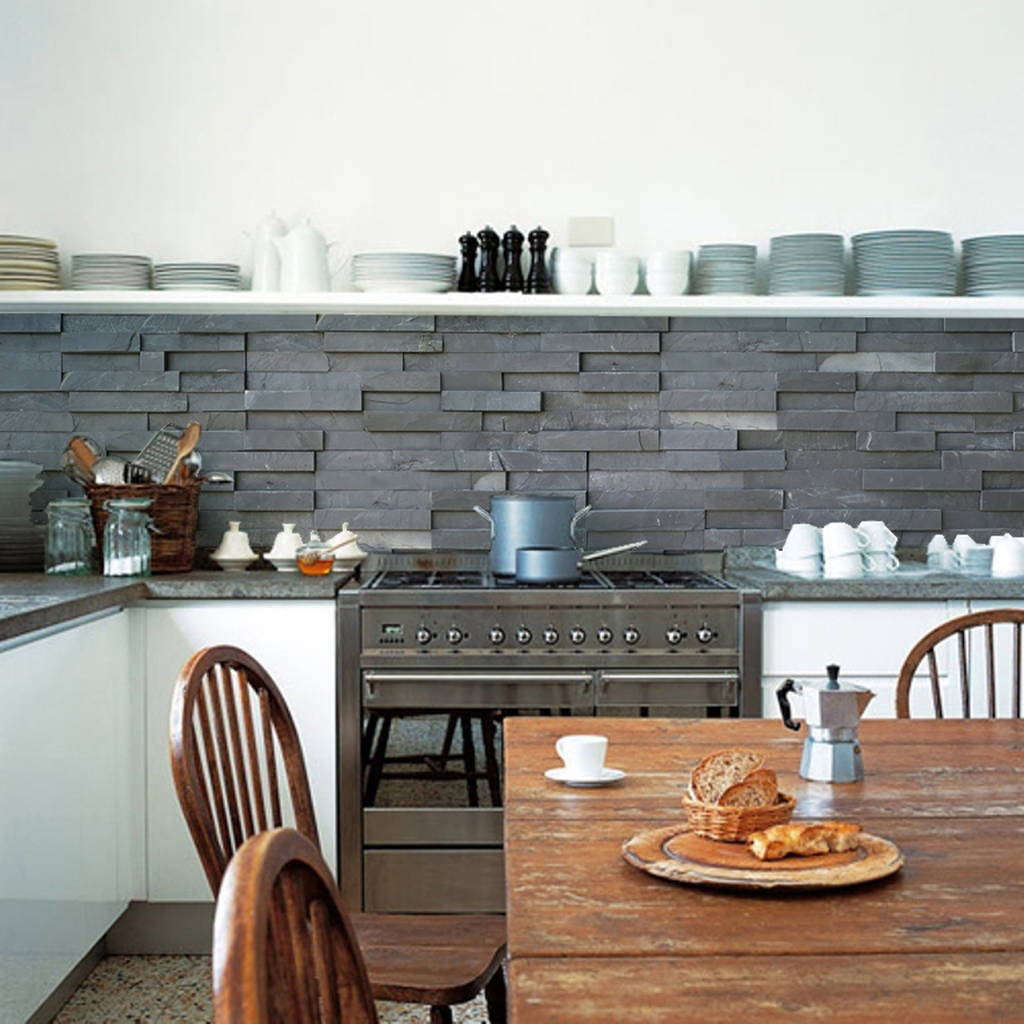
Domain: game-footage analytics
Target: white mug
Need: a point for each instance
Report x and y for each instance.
(802, 539)
(842, 539)
(583, 755)
(880, 561)
(879, 535)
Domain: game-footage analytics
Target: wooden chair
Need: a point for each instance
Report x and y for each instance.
(232, 737)
(284, 950)
(975, 625)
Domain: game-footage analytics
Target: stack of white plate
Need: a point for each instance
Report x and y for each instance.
(906, 262)
(28, 263)
(807, 264)
(726, 269)
(224, 277)
(994, 265)
(110, 270)
(21, 542)
(403, 272)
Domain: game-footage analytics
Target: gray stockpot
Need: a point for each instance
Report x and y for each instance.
(529, 521)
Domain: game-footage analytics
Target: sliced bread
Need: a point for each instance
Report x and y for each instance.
(758, 789)
(715, 773)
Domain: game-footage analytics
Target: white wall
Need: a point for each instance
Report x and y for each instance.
(169, 127)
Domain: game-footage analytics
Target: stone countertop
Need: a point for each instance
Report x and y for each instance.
(911, 582)
(31, 601)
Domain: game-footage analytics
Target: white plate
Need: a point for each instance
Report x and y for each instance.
(608, 775)
(403, 286)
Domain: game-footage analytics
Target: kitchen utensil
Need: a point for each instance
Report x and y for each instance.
(529, 521)
(832, 714)
(561, 564)
(214, 478)
(82, 452)
(192, 464)
(512, 249)
(468, 279)
(73, 470)
(537, 280)
(159, 453)
(109, 470)
(186, 443)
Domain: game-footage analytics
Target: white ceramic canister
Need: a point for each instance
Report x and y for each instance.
(266, 262)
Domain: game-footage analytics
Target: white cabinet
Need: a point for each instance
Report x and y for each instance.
(295, 642)
(67, 821)
(867, 639)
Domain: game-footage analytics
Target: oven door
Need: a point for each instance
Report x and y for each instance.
(431, 786)
(676, 693)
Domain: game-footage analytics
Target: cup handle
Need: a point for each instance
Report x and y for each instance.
(863, 539)
(894, 562)
(560, 747)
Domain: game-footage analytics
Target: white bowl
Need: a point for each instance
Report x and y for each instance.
(616, 284)
(668, 259)
(662, 283)
(570, 282)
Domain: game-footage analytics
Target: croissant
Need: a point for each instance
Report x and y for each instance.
(804, 839)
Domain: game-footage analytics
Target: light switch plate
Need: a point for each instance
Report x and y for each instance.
(598, 231)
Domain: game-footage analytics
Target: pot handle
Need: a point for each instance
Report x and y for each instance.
(487, 515)
(575, 521)
(783, 693)
(604, 553)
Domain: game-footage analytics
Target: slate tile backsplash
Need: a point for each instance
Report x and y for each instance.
(693, 433)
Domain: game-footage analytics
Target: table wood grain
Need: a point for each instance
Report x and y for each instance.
(593, 939)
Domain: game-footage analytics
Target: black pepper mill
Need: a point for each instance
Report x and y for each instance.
(512, 248)
(468, 280)
(489, 242)
(537, 280)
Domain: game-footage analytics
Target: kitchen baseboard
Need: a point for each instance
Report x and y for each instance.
(162, 928)
(55, 1001)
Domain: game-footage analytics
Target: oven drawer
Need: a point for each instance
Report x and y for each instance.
(434, 881)
(476, 689)
(432, 826)
(682, 688)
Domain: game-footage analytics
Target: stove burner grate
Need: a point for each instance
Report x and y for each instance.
(592, 579)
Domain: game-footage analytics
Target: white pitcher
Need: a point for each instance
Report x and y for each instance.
(304, 266)
(266, 263)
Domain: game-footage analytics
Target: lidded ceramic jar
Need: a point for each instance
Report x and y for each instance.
(347, 554)
(234, 552)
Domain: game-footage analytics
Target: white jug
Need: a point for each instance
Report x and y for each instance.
(303, 253)
(266, 263)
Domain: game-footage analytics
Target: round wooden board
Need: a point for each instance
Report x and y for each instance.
(677, 854)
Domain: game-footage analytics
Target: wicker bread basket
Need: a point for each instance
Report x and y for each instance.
(174, 512)
(734, 824)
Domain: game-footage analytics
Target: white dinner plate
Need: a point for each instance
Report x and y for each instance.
(607, 776)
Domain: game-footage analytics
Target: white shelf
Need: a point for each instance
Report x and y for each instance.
(501, 304)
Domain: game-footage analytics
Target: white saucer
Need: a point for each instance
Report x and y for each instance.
(607, 776)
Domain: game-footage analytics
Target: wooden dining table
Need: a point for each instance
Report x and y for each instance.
(593, 938)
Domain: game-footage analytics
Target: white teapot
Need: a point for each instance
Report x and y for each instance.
(303, 254)
(266, 263)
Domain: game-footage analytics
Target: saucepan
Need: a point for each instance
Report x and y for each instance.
(558, 564)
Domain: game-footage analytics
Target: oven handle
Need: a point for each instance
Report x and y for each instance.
(697, 676)
(373, 676)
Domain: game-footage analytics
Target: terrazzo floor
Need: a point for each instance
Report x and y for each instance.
(177, 990)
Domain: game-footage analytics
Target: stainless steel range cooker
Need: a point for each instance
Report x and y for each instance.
(436, 652)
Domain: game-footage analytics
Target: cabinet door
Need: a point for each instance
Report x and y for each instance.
(65, 817)
(868, 640)
(295, 642)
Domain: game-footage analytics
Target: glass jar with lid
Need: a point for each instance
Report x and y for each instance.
(126, 547)
(70, 538)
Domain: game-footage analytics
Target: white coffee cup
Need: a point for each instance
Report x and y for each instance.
(583, 755)
(880, 537)
(1007, 556)
(844, 566)
(842, 539)
(803, 539)
(963, 542)
(880, 561)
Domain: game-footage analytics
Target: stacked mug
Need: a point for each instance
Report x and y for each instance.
(616, 273)
(801, 554)
(843, 546)
(971, 557)
(879, 554)
(667, 272)
(1007, 555)
(572, 271)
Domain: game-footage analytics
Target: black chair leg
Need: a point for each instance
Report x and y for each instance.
(487, 727)
(377, 762)
(469, 760)
(494, 993)
(446, 746)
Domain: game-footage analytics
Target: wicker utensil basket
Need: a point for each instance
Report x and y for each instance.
(174, 512)
(734, 824)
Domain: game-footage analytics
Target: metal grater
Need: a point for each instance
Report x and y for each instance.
(155, 460)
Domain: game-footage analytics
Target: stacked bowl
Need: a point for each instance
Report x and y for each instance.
(572, 271)
(807, 264)
(201, 276)
(90, 271)
(28, 263)
(905, 262)
(615, 273)
(994, 265)
(667, 272)
(21, 542)
(801, 554)
(726, 269)
(403, 272)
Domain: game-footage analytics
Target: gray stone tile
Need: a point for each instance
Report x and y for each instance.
(284, 341)
(895, 518)
(747, 519)
(699, 439)
(932, 342)
(213, 419)
(399, 421)
(798, 460)
(935, 421)
(752, 460)
(274, 501)
(401, 381)
(374, 519)
(119, 380)
(193, 342)
(23, 380)
(550, 324)
(274, 480)
(933, 401)
(816, 381)
(722, 498)
(216, 401)
(491, 401)
(360, 362)
(494, 343)
(789, 400)
(922, 480)
(406, 401)
(374, 322)
(964, 461)
(317, 419)
(954, 325)
(265, 380)
(374, 499)
(813, 440)
(278, 462)
(29, 323)
(726, 323)
(31, 362)
(825, 420)
(896, 441)
(28, 342)
(399, 480)
(474, 380)
(533, 362)
(148, 401)
(644, 520)
(391, 342)
(537, 381)
(18, 419)
(100, 341)
(737, 400)
(206, 362)
(603, 362)
(563, 483)
(600, 440)
(903, 324)
(359, 460)
(536, 461)
(985, 422)
(284, 440)
(361, 440)
(600, 342)
(979, 362)
(826, 324)
(299, 361)
(955, 441)
(873, 362)
(685, 460)
(222, 381)
(619, 381)
(149, 362)
(100, 361)
(301, 400)
(705, 362)
(461, 540)
(699, 380)
(489, 439)
(718, 420)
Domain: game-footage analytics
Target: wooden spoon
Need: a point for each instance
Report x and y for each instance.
(82, 454)
(186, 444)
